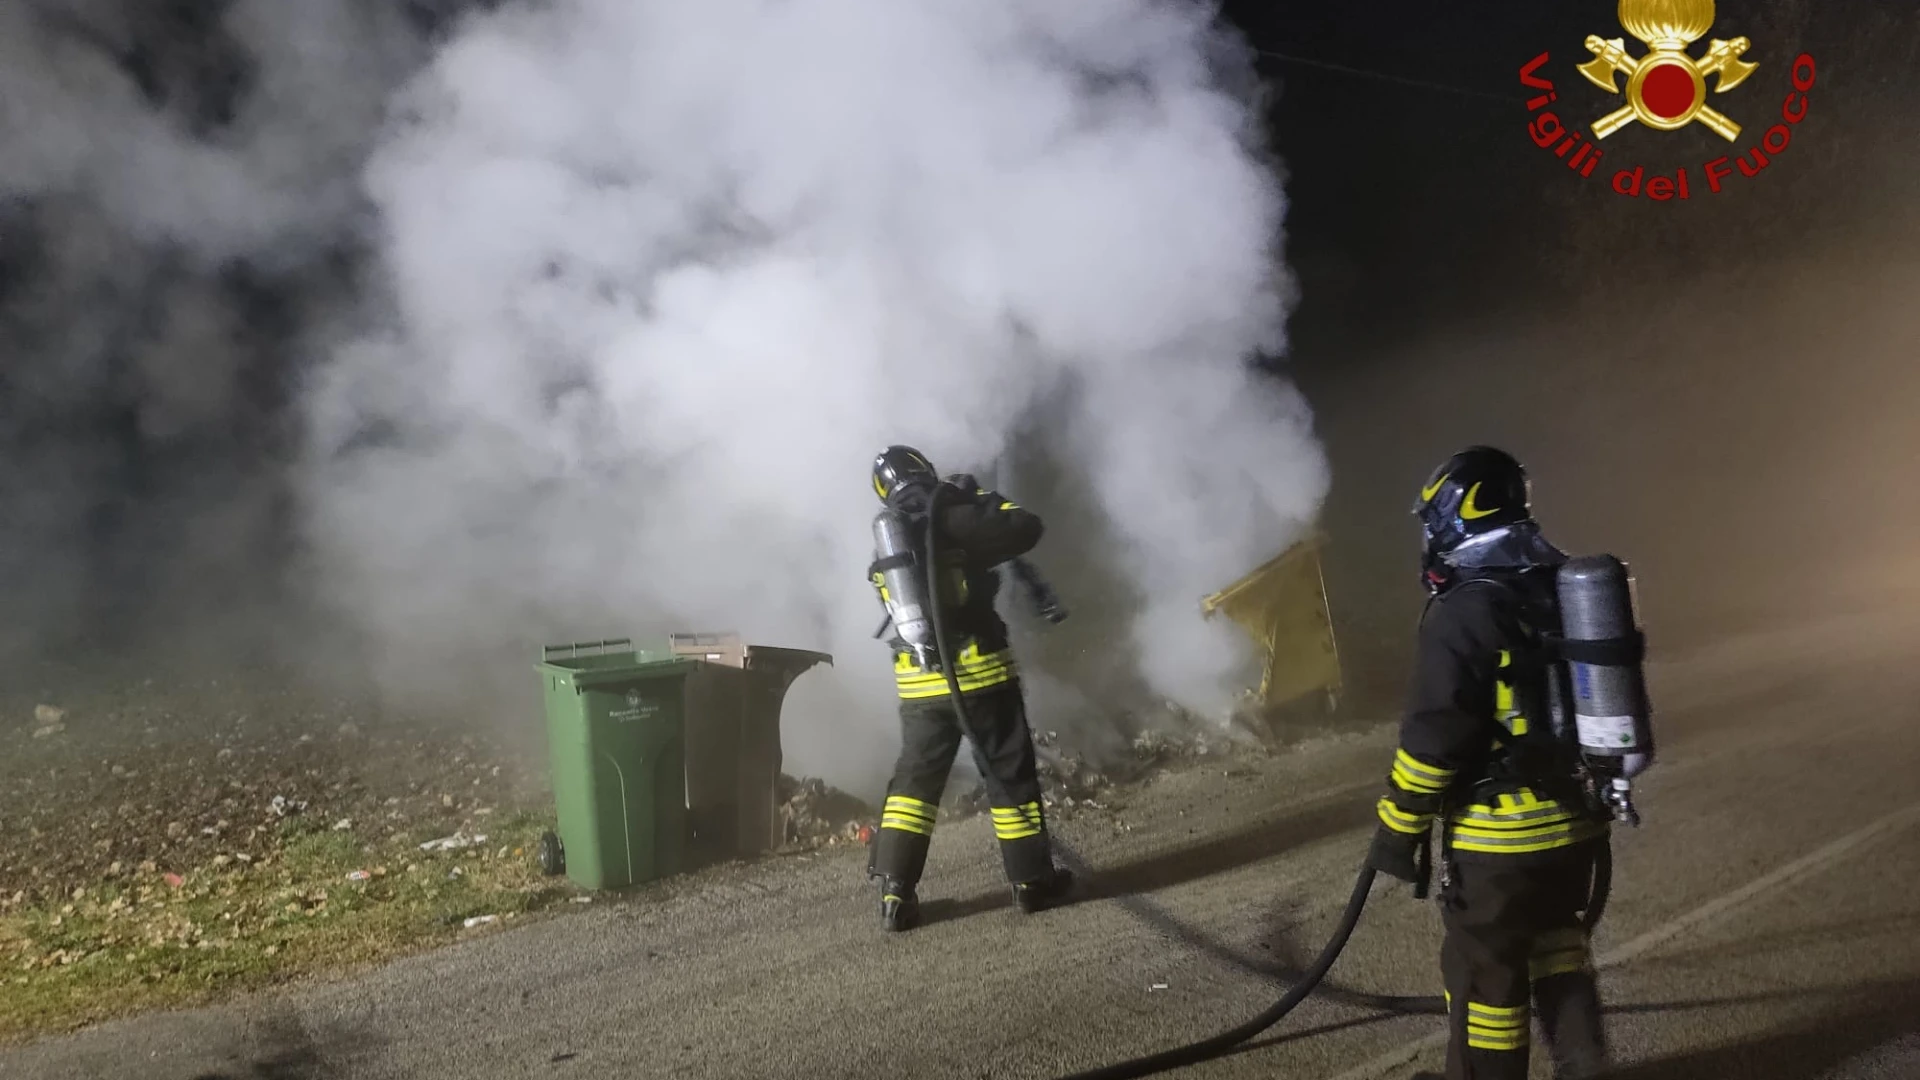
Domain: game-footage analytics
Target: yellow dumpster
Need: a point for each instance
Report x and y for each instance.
(1283, 606)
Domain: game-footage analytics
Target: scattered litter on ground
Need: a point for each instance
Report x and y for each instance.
(459, 841)
(1156, 747)
(812, 814)
(1156, 986)
(480, 920)
(1071, 782)
(1066, 777)
(281, 806)
(358, 875)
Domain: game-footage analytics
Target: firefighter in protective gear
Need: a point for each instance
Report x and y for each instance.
(979, 530)
(1477, 755)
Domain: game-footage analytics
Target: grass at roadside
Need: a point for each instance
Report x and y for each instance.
(146, 939)
(165, 847)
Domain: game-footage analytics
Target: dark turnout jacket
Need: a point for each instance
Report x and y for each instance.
(979, 530)
(1476, 750)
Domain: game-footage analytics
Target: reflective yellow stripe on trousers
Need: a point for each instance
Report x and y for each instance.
(1559, 952)
(1017, 822)
(909, 815)
(1496, 1027)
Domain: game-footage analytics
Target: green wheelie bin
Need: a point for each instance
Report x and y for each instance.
(616, 733)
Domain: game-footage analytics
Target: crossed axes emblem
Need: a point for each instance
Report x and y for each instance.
(1680, 81)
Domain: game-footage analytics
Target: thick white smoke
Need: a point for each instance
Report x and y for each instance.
(279, 178)
(163, 167)
(665, 276)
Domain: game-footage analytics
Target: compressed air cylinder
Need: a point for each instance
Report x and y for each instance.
(1611, 712)
(898, 561)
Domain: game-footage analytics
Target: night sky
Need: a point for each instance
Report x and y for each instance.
(1429, 151)
(1427, 230)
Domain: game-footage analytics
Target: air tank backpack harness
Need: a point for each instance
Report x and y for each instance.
(1542, 798)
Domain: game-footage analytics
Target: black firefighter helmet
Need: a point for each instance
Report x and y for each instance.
(1478, 490)
(898, 467)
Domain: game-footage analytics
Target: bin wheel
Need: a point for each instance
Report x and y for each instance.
(553, 857)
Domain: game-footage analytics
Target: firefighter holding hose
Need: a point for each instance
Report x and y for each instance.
(977, 531)
(1519, 835)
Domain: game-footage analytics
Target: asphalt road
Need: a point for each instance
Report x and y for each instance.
(1764, 925)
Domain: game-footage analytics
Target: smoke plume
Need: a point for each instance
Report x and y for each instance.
(179, 191)
(657, 279)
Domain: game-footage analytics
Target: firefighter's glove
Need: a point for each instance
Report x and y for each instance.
(1048, 604)
(1402, 856)
(965, 482)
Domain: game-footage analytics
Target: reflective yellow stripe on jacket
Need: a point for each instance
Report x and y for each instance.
(1510, 717)
(974, 672)
(1520, 823)
(1415, 784)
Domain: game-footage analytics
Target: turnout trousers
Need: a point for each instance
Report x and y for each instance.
(1514, 939)
(931, 730)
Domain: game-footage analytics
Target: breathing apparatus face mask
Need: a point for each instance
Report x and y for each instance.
(1435, 572)
(912, 494)
(1509, 548)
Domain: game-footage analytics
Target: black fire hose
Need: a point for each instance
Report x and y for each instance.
(1226, 1040)
(1206, 1049)
(1218, 1045)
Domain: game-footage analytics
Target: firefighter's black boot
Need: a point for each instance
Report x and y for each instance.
(899, 906)
(1032, 896)
(1569, 1008)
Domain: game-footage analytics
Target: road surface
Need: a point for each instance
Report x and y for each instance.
(1765, 925)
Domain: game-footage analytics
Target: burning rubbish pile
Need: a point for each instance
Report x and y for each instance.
(814, 815)
(1160, 750)
(1069, 781)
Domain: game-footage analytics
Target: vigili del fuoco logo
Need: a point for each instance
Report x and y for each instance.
(1666, 89)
